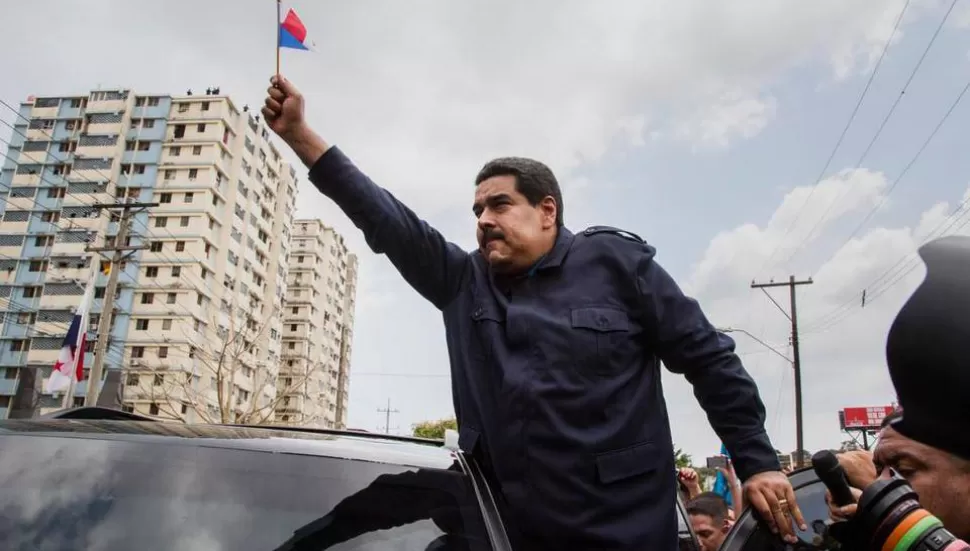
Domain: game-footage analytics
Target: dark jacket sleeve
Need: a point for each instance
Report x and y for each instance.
(433, 266)
(688, 344)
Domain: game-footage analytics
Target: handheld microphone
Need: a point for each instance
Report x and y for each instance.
(832, 474)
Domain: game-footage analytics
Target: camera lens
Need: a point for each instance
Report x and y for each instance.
(891, 519)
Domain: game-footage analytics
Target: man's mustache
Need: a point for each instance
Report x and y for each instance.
(491, 235)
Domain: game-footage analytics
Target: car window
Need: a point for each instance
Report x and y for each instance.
(751, 535)
(107, 495)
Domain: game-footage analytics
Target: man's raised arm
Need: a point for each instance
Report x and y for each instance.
(428, 262)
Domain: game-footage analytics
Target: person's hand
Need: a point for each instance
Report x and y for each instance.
(283, 109)
(691, 481)
(860, 471)
(284, 115)
(772, 496)
(845, 512)
(728, 473)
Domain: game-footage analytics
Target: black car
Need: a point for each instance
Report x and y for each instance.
(92, 478)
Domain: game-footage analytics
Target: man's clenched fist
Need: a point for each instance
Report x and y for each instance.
(284, 109)
(284, 115)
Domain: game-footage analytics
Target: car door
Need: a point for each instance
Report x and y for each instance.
(750, 534)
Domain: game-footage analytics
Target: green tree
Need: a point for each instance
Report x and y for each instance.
(681, 458)
(434, 429)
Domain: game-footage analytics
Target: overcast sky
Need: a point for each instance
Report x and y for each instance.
(702, 126)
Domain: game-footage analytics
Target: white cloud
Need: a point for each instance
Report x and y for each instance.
(733, 116)
(842, 344)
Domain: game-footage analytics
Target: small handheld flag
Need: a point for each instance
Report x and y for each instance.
(291, 32)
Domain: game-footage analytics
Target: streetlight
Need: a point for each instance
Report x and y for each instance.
(798, 386)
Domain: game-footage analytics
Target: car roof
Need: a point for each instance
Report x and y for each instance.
(359, 446)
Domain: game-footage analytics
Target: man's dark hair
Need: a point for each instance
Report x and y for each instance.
(533, 179)
(709, 504)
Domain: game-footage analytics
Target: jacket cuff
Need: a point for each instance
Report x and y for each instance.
(754, 455)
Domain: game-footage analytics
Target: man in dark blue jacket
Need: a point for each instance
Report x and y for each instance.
(555, 341)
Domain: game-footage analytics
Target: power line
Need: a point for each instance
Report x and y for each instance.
(895, 273)
(879, 130)
(842, 135)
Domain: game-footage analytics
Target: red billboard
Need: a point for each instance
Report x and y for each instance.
(864, 417)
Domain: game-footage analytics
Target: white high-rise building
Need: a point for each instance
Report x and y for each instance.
(317, 328)
(196, 328)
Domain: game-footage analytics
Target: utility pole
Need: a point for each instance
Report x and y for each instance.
(792, 283)
(120, 252)
(387, 416)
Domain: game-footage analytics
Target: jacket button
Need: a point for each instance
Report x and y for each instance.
(601, 321)
(478, 313)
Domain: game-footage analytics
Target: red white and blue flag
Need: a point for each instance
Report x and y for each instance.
(69, 366)
(293, 33)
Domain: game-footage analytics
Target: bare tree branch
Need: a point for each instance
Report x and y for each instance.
(215, 375)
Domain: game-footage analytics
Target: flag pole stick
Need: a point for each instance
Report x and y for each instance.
(279, 32)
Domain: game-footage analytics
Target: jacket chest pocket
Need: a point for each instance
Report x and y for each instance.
(602, 338)
(486, 326)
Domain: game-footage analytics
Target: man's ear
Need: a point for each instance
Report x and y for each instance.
(549, 210)
(727, 526)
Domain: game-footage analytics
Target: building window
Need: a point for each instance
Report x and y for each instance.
(185, 221)
(197, 150)
(148, 123)
(137, 352)
(31, 292)
(170, 299)
(38, 266)
(153, 409)
(147, 298)
(169, 174)
(156, 247)
(161, 222)
(176, 271)
(141, 325)
(183, 107)
(162, 351)
(166, 325)
(132, 379)
(189, 197)
(180, 246)
(193, 173)
(179, 131)
(175, 151)
(200, 128)
(151, 271)
(55, 193)
(205, 105)
(165, 198)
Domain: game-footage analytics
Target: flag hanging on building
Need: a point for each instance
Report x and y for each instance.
(293, 33)
(69, 366)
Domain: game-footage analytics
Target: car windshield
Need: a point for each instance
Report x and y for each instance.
(106, 495)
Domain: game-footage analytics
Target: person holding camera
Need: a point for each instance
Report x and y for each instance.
(914, 492)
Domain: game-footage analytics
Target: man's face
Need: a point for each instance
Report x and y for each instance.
(512, 234)
(941, 480)
(710, 533)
